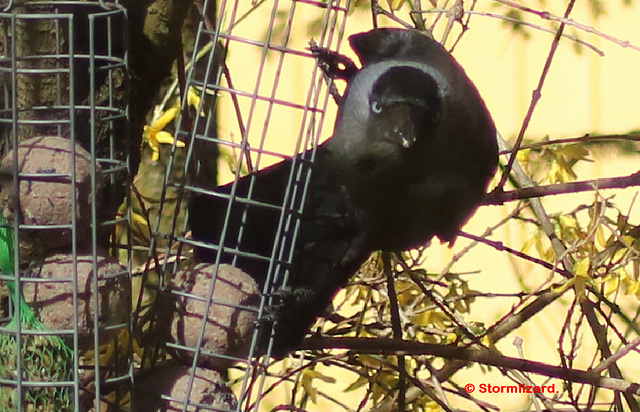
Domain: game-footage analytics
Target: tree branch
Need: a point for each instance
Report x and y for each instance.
(537, 94)
(599, 138)
(478, 355)
(498, 197)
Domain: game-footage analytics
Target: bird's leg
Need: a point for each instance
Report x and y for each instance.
(283, 298)
(333, 64)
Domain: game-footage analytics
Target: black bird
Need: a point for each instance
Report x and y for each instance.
(411, 157)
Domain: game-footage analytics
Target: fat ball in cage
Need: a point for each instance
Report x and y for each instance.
(253, 95)
(66, 300)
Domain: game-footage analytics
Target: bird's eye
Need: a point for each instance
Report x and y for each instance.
(376, 107)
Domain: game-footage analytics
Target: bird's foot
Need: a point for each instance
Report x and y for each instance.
(333, 64)
(285, 300)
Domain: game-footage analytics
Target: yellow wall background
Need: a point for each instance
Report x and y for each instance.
(584, 93)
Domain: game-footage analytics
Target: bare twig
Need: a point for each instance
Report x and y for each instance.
(478, 355)
(581, 139)
(600, 335)
(496, 198)
(486, 234)
(397, 328)
(537, 93)
(539, 28)
(545, 15)
(619, 354)
(501, 247)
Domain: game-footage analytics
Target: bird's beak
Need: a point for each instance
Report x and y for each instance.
(400, 125)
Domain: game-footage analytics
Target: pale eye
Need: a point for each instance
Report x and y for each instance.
(376, 107)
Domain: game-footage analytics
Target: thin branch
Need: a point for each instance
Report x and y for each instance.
(477, 355)
(440, 303)
(397, 328)
(600, 334)
(619, 354)
(488, 232)
(510, 322)
(539, 28)
(418, 20)
(545, 15)
(502, 248)
(621, 182)
(582, 139)
(537, 94)
(376, 9)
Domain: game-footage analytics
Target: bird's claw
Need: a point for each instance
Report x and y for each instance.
(333, 64)
(284, 299)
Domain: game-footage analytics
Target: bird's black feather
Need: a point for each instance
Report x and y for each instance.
(411, 157)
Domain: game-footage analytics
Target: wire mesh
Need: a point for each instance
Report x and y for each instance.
(234, 121)
(64, 121)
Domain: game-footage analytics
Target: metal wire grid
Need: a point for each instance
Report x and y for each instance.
(57, 82)
(254, 106)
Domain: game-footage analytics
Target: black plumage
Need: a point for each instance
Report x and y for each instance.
(412, 154)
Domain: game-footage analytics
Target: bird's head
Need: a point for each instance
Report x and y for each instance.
(404, 107)
(388, 120)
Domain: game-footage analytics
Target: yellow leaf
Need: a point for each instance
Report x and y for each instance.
(566, 170)
(486, 340)
(193, 99)
(574, 152)
(137, 349)
(154, 135)
(554, 173)
(384, 380)
(619, 254)
(600, 237)
(637, 290)
(528, 244)
(431, 406)
(164, 137)
(568, 221)
(360, 382)
(322, 377)
(450, 338)
(542, 252)
(370, 361)
(155, 153)
(580, 286)
(426, 337)
(549, 254)
(307, 384)
(308, 375)
(435, 318)
(611, 284)
(581, 268)
(162, 121)
(627, 240)
(523, 156)
(422, 318)
(622, 222)
(147, 133)
(563, 288)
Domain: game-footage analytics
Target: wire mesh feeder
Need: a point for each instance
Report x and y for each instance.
(235, 120)
(64, 120)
